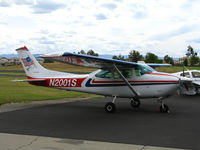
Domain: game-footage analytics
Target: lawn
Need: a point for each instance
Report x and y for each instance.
(175, 69)
(53, 66)
(71, 68)
(12, 73)
(24, 92)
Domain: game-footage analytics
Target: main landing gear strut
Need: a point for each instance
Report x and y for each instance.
(110, 106)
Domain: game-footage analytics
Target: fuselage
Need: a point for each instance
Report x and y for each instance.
(148, 85)
(117, 78)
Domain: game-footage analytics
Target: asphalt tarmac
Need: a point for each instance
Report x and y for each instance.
(87, 120)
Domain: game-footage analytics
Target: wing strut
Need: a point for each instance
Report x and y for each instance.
(126, 81)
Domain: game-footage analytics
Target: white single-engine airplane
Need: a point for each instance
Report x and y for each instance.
(190, 82)
(114, 78)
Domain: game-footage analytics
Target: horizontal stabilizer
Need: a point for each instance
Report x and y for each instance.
(30, 80)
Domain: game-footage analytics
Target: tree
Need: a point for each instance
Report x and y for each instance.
(135, 56)
(82, 52)
(91, 52)
(168, 59)
(194, 59)
(151, 58)
(185, 62)
(119, 57)
(160, 61)
(171, 61)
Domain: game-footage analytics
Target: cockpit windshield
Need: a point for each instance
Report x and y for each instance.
(144, 69)
(196, 74)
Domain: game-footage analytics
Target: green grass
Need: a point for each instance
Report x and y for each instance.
(53, 66)
(71, 68)
(24, 92)
(175, 69)
(12, 73)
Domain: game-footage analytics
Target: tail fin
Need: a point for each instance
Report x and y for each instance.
(31, 66)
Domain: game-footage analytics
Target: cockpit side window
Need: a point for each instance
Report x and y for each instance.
(127, 73)
(196, 74)
(185, 74)
(104, 74)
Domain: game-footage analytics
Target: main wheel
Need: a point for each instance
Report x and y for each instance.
(135, 103)
(164, 108)
(110, 107)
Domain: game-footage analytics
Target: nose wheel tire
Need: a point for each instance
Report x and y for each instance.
(135, 103)
(164, 108)
(110, 107)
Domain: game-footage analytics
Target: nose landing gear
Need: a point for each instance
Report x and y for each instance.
(163, 107)
(135, 103)
(110, 107)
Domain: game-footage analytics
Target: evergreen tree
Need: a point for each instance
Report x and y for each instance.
(168, 60)
(194, 59)
(185, 62)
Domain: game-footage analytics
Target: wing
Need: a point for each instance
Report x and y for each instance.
(153, 65)
(89, 61)
(197, 83)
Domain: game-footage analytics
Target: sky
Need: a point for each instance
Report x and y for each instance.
(106, 26)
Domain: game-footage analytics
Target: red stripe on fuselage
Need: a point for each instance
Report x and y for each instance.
(161, 74)
(59, 82)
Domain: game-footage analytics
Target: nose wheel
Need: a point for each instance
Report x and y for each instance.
(110, 107)
(164, 108)
(135, 103)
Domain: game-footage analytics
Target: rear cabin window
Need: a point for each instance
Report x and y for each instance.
(196, 74)
(185, 74)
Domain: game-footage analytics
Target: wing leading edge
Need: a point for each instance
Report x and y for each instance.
(90, 61)
(95, 62)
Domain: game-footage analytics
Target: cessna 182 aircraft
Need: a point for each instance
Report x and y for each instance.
(114, 78)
